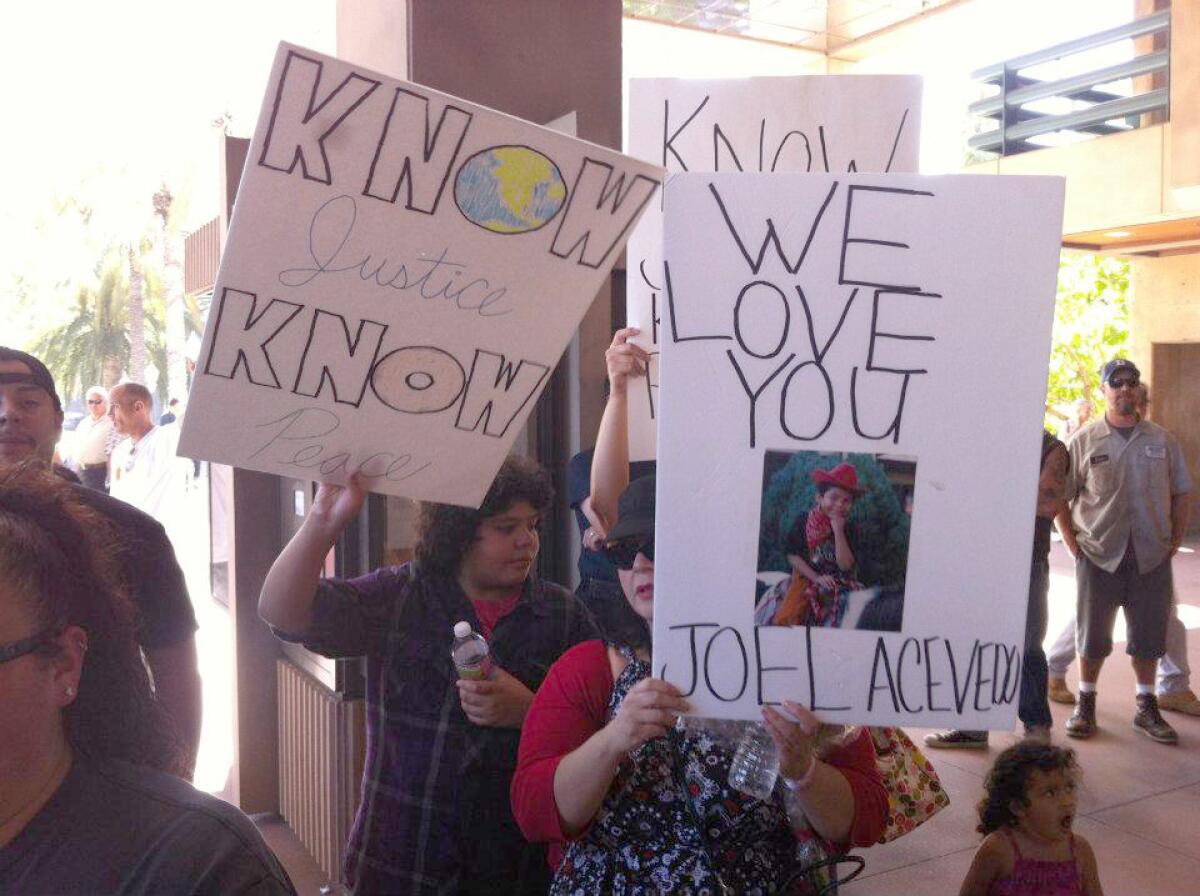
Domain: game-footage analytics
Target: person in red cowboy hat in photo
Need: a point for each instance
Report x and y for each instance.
(820, 549)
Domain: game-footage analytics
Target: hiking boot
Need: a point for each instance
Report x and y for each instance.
(1184, 701)
(957, 740)
(1037, 734)
(1150, 722)
(1056, 690)
(1082, 723)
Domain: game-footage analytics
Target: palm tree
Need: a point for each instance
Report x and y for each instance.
(137, 314)
(92, 346)
(174, 371)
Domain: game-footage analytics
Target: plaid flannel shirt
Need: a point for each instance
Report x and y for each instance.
(434, 815)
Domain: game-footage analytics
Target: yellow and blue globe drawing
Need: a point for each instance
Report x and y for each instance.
(509, 189)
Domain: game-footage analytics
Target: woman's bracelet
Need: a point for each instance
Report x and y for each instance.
(806, 779)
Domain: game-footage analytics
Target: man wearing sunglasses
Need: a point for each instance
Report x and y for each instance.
(30, 426)
(1128, 491)
(96, 439)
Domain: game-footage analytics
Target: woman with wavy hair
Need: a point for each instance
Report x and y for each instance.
(89, 801)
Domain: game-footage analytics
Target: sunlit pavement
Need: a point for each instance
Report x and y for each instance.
(1137, 800)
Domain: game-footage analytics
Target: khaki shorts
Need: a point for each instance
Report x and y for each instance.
(1145, 598)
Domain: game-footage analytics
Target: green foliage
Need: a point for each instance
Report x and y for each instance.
(92, 346)
(66, 294)
(880, 524)
(1091, 325)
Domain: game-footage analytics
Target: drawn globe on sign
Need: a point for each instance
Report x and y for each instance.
(509, 189)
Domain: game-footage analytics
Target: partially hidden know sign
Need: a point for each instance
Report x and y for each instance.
(802, 124)
(850, 441)
(402, 272)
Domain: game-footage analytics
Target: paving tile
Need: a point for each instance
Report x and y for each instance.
(1131, 865)
(943, 875)
(1168, 819)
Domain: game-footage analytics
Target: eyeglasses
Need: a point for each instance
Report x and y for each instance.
(622, 553)
(95, 401)
(17, 649)
(1121, 382)
(131, 459)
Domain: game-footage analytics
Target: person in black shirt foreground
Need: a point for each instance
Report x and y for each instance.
(31, 419)
(90, 801)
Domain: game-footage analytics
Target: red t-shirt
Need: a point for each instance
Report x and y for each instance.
(492, 611)
(572, 705)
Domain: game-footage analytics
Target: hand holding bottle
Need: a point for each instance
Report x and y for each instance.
(500, 701)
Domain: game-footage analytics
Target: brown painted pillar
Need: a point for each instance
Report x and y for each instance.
(253, 532)
(538, 60)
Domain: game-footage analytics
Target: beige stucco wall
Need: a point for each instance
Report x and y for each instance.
(1164, 305)
(1114, 181)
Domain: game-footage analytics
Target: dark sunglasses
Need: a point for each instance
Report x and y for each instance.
(17, 649)
(622, 553)
(1120, 382)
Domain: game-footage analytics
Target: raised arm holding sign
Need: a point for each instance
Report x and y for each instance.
(440, 751)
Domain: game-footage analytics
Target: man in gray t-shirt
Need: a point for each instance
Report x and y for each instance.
(1128, 490)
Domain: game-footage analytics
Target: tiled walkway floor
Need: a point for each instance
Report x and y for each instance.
(1139, 802)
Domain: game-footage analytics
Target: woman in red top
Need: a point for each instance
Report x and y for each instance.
(633, 805)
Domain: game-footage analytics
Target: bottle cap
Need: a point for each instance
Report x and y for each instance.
(462, 629)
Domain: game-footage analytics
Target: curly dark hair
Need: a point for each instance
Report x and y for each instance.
(444, 532)
(59, 554)
(1009, 779)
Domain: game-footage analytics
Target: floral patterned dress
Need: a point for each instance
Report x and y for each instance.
(645, 839)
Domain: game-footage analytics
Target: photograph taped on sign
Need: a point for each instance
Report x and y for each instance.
(833, 539)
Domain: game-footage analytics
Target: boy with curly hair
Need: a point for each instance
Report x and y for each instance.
(435, 814)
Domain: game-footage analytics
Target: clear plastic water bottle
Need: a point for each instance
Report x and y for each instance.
(471, 655)
(755, 765)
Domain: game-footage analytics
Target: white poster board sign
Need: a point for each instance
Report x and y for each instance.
(402, 272)
(810, 123)
(888, 333)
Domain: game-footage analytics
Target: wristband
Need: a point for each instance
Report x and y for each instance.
(806, 779)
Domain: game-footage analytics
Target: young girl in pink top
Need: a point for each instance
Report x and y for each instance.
(1029, 849)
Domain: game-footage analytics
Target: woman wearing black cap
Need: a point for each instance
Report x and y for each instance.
(631, 803)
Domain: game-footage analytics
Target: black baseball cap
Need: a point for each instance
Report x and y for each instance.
(635, 510)
(38, 374)
(1118, 365)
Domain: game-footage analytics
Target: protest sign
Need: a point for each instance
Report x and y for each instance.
(818, 123)
(402, 272)
(887, 336)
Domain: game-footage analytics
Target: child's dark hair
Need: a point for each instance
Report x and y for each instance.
(1009, 779)
(444, 532)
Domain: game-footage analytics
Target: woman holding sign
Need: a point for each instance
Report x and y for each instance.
(634, 804)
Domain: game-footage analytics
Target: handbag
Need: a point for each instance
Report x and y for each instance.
(915, 793)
